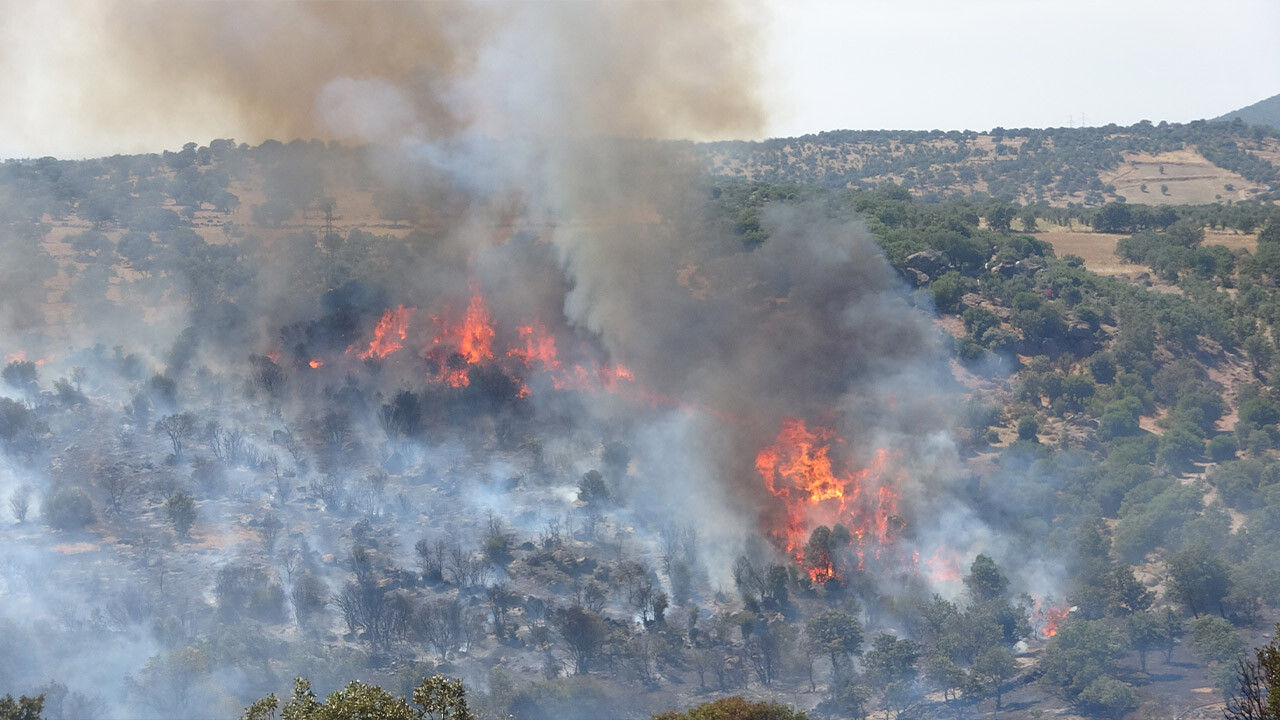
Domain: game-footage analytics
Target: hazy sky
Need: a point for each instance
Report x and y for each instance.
(829, 64)
(977, 64)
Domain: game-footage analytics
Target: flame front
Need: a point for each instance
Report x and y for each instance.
(389, 334)
(798, 470)
(539, 347)
(1053, 617)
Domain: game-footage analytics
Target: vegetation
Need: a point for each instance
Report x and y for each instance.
(1123, 428)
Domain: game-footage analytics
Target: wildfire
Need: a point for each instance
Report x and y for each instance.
(454, 343)
(539, 347)
(389, 334)
(1053, 616)
(944, 566)
(798, 469)
(21, 356)
(477, 332)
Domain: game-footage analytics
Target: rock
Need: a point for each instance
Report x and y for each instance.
(930, 262)
(1080, 331)
(915, 277)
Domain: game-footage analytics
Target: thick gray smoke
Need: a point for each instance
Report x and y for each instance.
(534, 135)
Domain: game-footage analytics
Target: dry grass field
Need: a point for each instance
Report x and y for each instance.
(1190, 178)
(1097, 249)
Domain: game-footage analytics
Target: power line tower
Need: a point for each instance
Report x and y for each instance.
(331, 237)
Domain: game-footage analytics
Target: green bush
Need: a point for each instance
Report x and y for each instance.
(1222, 448)
(1028, 428)
(69, 509)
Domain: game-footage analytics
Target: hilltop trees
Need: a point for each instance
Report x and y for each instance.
(437, 698)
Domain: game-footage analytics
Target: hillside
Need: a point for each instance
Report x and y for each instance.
(280, 410)
(1263, 112)
(1142, 164)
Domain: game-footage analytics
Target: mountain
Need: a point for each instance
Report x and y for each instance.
(1263, 112)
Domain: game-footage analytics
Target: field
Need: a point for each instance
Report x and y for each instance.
(1099, 249)
(1189, 177)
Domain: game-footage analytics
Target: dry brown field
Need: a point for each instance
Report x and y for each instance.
(1191, 179)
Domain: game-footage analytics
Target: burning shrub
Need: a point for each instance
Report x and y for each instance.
(68, 509)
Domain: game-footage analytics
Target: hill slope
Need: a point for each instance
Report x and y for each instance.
(1263, 112)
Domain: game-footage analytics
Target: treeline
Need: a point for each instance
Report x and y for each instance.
(1029, 165)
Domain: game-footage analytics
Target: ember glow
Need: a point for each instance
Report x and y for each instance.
(21, 356)
(798, 469)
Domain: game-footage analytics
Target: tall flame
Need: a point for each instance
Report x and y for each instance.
(798, 470)
(539, 347)
(1053, 617)
(389, 334)
(476, 332)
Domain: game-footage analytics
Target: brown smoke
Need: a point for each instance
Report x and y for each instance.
(276, 69)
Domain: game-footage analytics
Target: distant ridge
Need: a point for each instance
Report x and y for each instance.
(1263, 112)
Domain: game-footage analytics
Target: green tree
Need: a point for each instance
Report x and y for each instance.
(985, 580)
(1199, 579)
(437, 698)
(68, 509)
(181, 509)
(947, 291)
(1107, 697)
(1213, 639)
(993, 667)
(24, 708)
(835, 632)
(1000, 216)
(1028, 428)
(735, 708)
(21, 375)
(1146, 633)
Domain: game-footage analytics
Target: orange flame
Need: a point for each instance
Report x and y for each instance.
(1053, 617)
(798, 469)
(539, 346)
(476, 332)
(389, 334)
(274, 356)
(944, 566)
(316, 364)
(471, 341)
